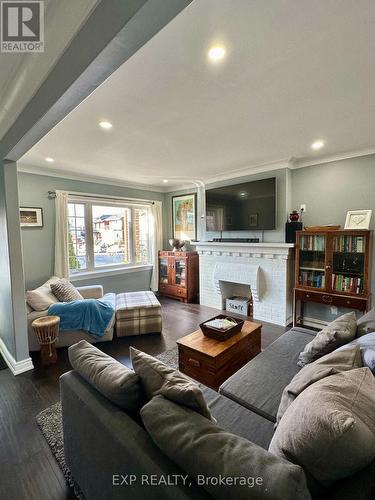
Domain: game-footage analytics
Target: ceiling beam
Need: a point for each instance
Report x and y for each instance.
(112, 34)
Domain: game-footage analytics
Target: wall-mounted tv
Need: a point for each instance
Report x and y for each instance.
(250, 206)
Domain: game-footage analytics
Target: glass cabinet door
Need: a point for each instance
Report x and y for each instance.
(180, 272)
(348, 265)
(312, 261)
(163, 271)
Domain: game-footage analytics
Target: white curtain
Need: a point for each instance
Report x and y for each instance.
(61, 235)
(156, 241)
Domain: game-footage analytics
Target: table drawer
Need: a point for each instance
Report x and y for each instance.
(195, 360)
(176, 291)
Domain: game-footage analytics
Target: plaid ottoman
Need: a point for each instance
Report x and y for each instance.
(137, 313)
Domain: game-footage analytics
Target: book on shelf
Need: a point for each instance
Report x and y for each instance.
(312, 278)
(342, 283)
(312, 242)
(350, 244)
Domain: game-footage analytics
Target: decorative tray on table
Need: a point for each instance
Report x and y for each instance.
(221, 327)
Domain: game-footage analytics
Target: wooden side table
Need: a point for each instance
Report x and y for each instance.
(47, 332)
(211, 361)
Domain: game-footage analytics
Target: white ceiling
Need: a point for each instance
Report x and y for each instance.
(22, 74)
(295, 71)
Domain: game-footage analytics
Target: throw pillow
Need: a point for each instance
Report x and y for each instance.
(366, 324)
(366, 343)
(42, 297)
(113, 380)
(65, 291)
(341, 331)
(158, 378)
(330, 428)
(207, 453)
(330, 364)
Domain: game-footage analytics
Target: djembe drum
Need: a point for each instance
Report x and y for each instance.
(47, 332)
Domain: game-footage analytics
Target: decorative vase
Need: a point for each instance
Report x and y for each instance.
(176, 244)
(294, 216)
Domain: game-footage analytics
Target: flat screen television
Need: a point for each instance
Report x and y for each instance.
(250, 206)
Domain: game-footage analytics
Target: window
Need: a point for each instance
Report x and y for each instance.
(104, 236)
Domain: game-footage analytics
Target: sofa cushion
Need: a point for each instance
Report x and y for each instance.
(206, 452)
(366, 324)
(259, 384)
(158, 378)
(330, 364)
(42, 297)
(115, 381)
(340, 331)
(237, 419)
(366, 343)
(330, 428)
(65, 291)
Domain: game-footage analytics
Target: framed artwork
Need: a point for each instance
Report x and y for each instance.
(358, 219)
(31, 217)
(253, 220)
(184, 213)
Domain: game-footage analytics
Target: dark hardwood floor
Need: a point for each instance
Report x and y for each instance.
(28, 469)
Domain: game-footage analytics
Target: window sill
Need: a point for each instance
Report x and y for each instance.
(109, 272)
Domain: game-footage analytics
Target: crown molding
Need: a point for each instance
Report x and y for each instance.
(67, 174)
(309, 162)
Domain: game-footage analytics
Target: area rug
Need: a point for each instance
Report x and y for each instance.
(50, 424)
(3, 365)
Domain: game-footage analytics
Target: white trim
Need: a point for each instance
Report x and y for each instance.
(66, 174)
(309, 162)
(110, 200)
(16, 367)
(109, 272)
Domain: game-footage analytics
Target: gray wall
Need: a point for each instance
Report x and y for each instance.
(329, 191)
(282, 208)
(12, 301)
(38, 244)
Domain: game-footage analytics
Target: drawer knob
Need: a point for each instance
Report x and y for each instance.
(194, 362)
(348, 302)
(327, 299)
(307, 295)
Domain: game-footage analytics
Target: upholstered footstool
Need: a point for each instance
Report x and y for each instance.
(137, 313)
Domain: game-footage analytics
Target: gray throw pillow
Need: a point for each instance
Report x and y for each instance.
(206, 452)
(366, 324)
(330, 364)
(329, 429)
(113, 380)
(64, 291)
(341, 331)
(158, 378)
(366, 344)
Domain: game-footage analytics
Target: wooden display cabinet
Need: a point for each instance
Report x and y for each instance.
(178, 275)
(333, 268)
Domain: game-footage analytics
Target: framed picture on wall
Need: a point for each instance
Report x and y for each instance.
(184, 214)
(31, 217)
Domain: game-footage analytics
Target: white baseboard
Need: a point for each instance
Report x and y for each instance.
(16, 367)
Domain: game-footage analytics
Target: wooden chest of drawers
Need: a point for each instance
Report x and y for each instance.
(211, 361)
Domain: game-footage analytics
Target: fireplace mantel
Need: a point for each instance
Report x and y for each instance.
(272, 285)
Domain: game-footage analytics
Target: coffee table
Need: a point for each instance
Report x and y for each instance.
(211, 361)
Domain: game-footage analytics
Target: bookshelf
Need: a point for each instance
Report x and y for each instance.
(333, 268)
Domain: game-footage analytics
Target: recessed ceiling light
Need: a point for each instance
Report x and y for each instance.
(105, 125)
(243, 194)
(165, 181)
(49, 159)
(216, 53)
(317, 145)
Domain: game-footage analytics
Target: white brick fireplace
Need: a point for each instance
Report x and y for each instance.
(264, 270)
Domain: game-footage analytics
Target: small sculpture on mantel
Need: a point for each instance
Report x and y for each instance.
(294, 216)
(176, 244)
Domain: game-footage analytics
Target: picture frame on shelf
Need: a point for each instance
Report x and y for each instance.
(358, 219)
(184, 215)
(253, 220)
(31, 217)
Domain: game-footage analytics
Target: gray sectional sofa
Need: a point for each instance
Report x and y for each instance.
(103, 445)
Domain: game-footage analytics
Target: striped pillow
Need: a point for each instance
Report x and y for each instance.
(65, 291)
